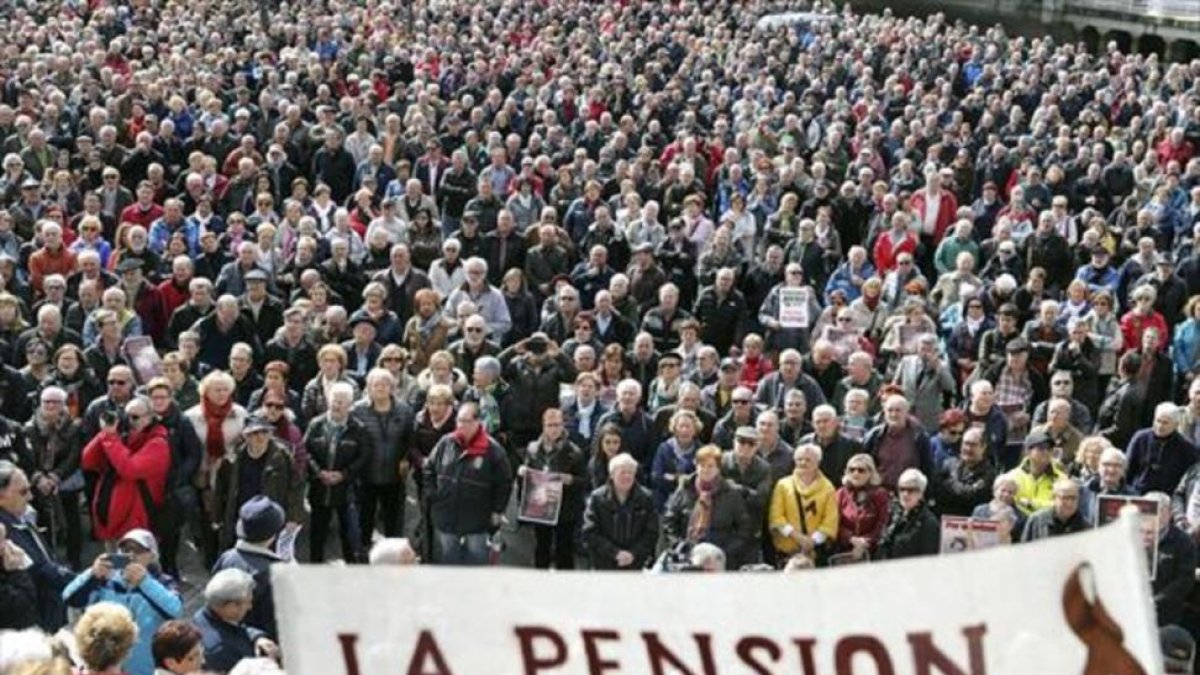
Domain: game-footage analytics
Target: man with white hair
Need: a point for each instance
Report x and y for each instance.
(1061, 517)
(1109, 481)
(228, 597)
(898, 443)
(487, 298)
(222, 329)
(52, 258)
(1159, 456)
(338, 450)
(620, 523)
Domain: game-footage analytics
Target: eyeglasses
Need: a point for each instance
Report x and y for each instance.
(473, 330)
(134, 418)
(903, 262)
(954, 432)
(845, 319)
(118, 383)
(741, 401)
(858, 469)
(397, 359)
(904, 488)
(745, 441)
(1061, 383)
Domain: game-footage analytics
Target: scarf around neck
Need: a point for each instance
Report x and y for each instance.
(214, 418)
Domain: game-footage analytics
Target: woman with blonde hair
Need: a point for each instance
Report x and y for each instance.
(441, 370)
(218, 421)
(862, 505)
(676, 456)
(331, 359)
(427, 329)
(803, 516)
(105, 636)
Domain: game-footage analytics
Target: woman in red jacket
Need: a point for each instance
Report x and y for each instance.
(128, 470)
(862, 508)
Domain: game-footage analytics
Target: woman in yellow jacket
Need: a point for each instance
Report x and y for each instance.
(803, 517)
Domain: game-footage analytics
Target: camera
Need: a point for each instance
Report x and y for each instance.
(109, 417)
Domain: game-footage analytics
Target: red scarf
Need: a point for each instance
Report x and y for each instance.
(473, 447)
(215, 416)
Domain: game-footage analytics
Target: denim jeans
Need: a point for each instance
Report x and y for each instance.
(462, 549)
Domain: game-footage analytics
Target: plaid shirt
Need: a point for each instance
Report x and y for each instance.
(1012, 390)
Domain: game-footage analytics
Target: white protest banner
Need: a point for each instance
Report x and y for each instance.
(1074, 605)
(793, 308)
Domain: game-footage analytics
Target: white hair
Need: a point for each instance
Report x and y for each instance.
(624, 459)
(913, 476)
(705, 553)
(393, 551)
(1167, 410)
(1111, 454)
(229, 585)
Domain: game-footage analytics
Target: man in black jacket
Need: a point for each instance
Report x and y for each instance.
(181, 497)
(468, 480)
(1175, 572)
(535, 369)
(337, 451)
(620, 524)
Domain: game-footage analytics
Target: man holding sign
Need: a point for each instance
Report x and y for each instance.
(554, 458)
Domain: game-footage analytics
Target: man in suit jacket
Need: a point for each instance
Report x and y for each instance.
(49, 577)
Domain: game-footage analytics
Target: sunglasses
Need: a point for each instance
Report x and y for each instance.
(134, 418)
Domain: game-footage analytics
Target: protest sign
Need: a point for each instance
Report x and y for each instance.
(1108, 509)
(541, 497)
(960, 533)
(793, 308)
(143, 358)
(1076, 604)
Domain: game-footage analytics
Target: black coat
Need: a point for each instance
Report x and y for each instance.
(1176, 575)
(462, 491)
(610, 526)
(567, 459)
(388, 439)
(958, 488)
(1121, 412)
(18, 600)
(911, 534)
(730, 527)
(533, 390)
(49, 577)
(350, 458)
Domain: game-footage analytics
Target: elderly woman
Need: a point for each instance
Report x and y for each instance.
(862, 508)
(218, 422)
(447, 273)
(133, 579)
(227, 599)
(427, 329)
(1087, 458)
(394, 358)
(184, 387)
(914, 529)
(331, 360)
(675, 457)
(803, 515)
(387, 324)
(620, 524)
(387, 425)
(1004, 494)
(441, 370)
(105, 636)
(70, 373)
(177, 649)
(707, 508)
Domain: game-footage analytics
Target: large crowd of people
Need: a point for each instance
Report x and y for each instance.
(698, 291)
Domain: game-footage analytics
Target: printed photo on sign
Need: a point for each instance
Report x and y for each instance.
(960, 533)
(1108, 509)
(143, 358)
(541, 498)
